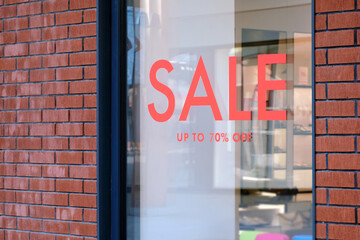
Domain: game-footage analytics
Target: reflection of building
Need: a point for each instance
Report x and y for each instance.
(148, 182)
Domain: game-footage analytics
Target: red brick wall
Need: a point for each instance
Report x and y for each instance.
(48, 120)
(337, 118)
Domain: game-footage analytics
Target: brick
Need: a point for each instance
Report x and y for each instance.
(16, 103)
(7, 143)
(74, 45)
(90, 72)
(320, 57)
(334, 38)
(41, 21)
(344, 232)
(334, 74)
(344, 197)
(7, 170)
(29, 62)
(42, 48)
(335, 179)
(73, 186)
(7, 64)
(7, 11)
(29, 224)
(90, 101)
(29, 35)
(72, 214)
(83, 115)
(7, 90)
(16, 235)
(56, 226)
(90, 15)
(335, 144)
(69, 73)
(320, 126)
(320, 161)
(28, 197)
(335, 214)
(7, 117)
(344, 20)
(320, 230)
(320, 22)
(42, 184)
(344, 162)
(335, 109)
(28, 170)
(344, 126)
(69, 157)
(55, 115)
(333, 5)
(42, 212)
(42, 75)
(7, 2)
(29, 89)
(6, 38)
(55, 60)
(73, 129)
(90, 215)
(29, 116)
(29, 9)
(55, 143)
(90, 187)
(16, 210)
(69, 101)
(344, 91)
(320, 91)
(55, 88)
(16, 50)
(16, 24)
(90, 129)
(343, 55)
(54, 33)
(86, 58)
(82, 200)
(16, 183)
(29, 143)
(41, 157)
(83, 143)
(16, 130)
(7, 196)
(83, 172)
(79, 4)
(89, 44)
(42, 102)
(55, 6)
(42, 129)
(83, 87)
(41, 236)
(55, 171)
(84, 30)
(69, 18)
(16, 157)
(57, 199)
(321, 197)
(83, 229)
(16, 76)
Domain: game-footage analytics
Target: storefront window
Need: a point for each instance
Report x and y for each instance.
(219, 120)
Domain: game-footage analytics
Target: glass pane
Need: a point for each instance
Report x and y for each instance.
(219, 119)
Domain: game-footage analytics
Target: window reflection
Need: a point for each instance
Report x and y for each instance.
(215, 191)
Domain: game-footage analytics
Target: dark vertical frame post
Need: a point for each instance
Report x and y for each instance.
(111, 119)
(313, 116)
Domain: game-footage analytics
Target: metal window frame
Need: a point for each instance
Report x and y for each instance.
(111, 119)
